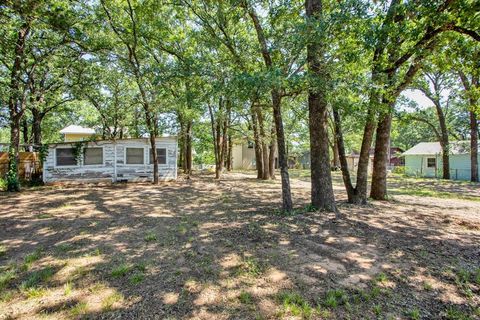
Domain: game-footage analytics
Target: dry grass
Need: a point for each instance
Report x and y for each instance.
(205, 249)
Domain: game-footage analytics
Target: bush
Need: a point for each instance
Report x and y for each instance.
(399, 170)
(3, 184)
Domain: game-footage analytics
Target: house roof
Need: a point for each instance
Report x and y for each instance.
(432, 148)
(77, 129)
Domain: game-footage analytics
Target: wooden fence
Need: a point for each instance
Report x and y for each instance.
(29, 165)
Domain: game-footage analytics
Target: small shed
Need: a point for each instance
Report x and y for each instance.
(110, 160)
(425, 160)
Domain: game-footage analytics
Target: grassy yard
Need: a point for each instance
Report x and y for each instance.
(206, 249)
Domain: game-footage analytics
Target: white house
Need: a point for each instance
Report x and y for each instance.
(110, 160)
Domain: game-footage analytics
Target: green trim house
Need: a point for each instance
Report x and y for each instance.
(425, 160)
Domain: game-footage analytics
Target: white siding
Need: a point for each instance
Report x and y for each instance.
(106, 171)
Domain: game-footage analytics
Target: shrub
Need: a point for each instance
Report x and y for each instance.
(399, 170)
(3, 184)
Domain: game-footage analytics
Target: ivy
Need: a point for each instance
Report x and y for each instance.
(42, 152)
(78, 150)
(13, 183)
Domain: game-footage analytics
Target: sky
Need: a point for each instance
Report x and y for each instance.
(418, 97)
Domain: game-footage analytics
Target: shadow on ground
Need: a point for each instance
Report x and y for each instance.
(209, 249)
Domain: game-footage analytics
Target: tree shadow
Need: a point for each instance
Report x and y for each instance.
(193, 249)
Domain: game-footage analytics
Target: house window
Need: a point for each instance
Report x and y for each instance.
(161, 156)
(250, 144)
(134, 156)
(431, 163)
(65, 157)
(92, 156)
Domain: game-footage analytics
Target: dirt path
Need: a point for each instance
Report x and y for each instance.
(203, 249)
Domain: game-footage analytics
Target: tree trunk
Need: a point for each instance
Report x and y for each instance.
(474, 145)
(215, 144)
(364, 157)
(347, 181)
(25, 134)
(16, 108)
(336, 156)
(444, 141)
(37, 127)
(379, 174)
(154, 158)
(259, 164)
(188, 148)
(271, 155)
(264, 146)
(287, 204)
(322, 190)
(229, 153)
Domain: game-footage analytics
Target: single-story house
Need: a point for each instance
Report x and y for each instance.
(243, 156)
(76, 133)
(394, 160)
(425, 160)
(110, 160)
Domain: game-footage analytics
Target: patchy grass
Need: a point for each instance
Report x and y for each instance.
(245, 297)
(413, 314)
(79, 309)
(36, 278)
(3, 251)
(121, 270)
(6, 278)
(137, 277)
(213, 249)
(109, 302)
(335, 298)
(150, 236)
(295, 305)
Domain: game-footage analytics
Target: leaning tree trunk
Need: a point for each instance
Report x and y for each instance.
(287, 204)
(379, 174)
(37, 127)
(361, 186)
(474, 145)
(322, 190)
(347, 181)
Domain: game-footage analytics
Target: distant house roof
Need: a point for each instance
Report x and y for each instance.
(432, 148)
(77, 129)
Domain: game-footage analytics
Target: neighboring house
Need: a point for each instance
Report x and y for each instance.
(425, 160)
(243, 156)
(395, 158)
(77, 133)
(110, 160)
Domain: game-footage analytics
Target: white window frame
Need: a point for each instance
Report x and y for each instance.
(125, 156)
(55, 158)
(94, 165)
(150, 156)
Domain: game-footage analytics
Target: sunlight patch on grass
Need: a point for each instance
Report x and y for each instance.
(109, 302)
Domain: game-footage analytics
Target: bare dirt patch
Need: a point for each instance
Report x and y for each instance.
(206, 249)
